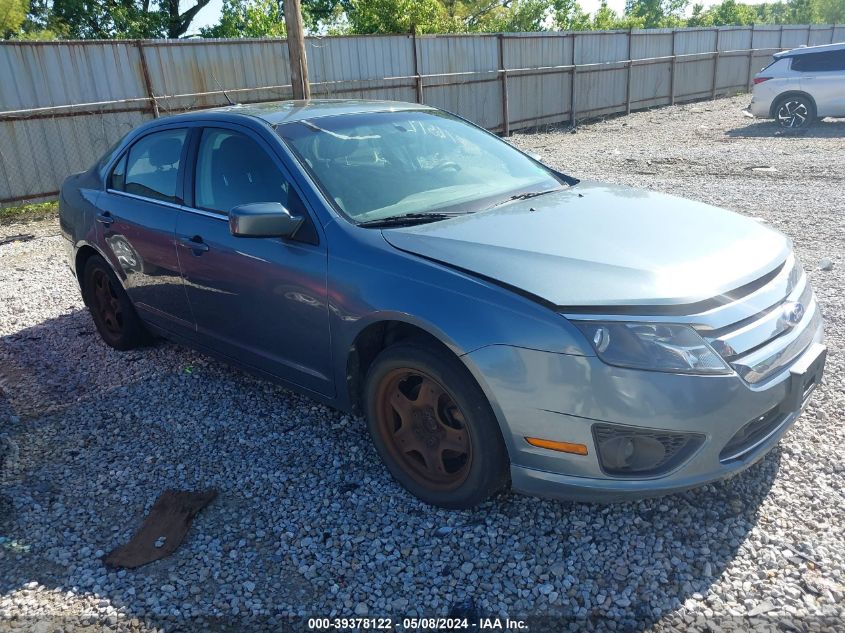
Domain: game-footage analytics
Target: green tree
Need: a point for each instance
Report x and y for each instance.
(729, 12)
(569, 16)
(699, 16)
(12, 17)
(178, 22)
(804, 11)
(41, 24)
(832, 11)
(471, 15)
(107, 19)
(249, 18)
(772, 13)
(606, 19)
(397, 16)
(518, 16)
(656, 13)
(102, 19)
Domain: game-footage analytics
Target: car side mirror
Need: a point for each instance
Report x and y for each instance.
(263, 219)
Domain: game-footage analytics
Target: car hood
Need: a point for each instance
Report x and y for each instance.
(603, 245)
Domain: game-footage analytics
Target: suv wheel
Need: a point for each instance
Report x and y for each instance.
(112, 311)
(433, 427)
(795, 111)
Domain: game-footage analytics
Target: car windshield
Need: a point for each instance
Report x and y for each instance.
(382, 165)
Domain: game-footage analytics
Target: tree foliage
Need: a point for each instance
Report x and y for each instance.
(110, 19)
(253, 18)
(106, 19)
(397, 16)
(831, 11)
(657, 13)
(731, 12)
(728, 12)
(12, 16)
(521, 16)
(606, 18)
(569, 16)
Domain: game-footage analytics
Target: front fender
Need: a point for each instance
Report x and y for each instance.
(369, 281)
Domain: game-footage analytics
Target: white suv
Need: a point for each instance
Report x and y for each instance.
(801, 85)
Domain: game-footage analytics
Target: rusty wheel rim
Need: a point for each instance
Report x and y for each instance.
(424, 429)
(107, 304)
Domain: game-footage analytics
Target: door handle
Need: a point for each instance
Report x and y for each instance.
(105, 218)
(195, 243)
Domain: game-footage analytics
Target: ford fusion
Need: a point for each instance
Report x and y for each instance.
(499, 324)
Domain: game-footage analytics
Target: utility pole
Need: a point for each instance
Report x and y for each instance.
(296, 50)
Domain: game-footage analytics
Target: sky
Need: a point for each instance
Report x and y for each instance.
(210, 14)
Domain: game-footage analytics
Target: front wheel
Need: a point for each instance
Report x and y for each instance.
(794, 112)
(433, 427)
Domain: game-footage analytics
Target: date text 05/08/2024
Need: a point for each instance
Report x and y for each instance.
(415, 624)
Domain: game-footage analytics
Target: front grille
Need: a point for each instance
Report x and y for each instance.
(750, 435)
(760, 344)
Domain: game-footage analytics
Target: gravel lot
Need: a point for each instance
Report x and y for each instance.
(308, 521)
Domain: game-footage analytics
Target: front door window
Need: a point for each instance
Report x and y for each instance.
(232, 169)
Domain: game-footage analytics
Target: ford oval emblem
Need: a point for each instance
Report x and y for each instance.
(793, 313)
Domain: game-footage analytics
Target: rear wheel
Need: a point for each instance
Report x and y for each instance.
(112, 311)
(433, 427)
(795, 111)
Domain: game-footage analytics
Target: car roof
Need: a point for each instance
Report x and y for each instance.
(277, 112)
(806, 50)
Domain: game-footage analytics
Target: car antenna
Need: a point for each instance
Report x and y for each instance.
(231, 103)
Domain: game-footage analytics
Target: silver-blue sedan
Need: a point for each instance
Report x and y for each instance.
(498, 323)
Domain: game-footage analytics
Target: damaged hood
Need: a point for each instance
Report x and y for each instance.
(603, 245)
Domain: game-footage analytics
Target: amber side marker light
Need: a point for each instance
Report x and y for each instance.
(563, 447)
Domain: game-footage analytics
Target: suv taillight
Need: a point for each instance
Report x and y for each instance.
(759, 80)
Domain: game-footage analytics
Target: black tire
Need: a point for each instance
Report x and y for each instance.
(452, 423)
(795, 112)
(113, 313)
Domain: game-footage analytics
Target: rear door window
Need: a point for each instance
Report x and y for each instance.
(151, 166)
(819, 62)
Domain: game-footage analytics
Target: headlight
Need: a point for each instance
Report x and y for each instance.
(654, 346)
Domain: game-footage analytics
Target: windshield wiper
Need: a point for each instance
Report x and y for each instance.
(524, 196)
(407, 219)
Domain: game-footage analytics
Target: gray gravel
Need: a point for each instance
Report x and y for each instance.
(308, 521)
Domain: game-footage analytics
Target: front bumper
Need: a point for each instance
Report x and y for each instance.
(560, 397)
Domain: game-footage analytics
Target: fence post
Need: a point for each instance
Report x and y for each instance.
(715, 65)
(628, 82)
(145, 72)
(572, 118)
(506, 126)
(780, 39)
(832, 32)
(418, 82)
(296, 50)
(672, 71)
(750, 59)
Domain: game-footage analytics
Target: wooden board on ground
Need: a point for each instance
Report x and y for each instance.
(163, 530)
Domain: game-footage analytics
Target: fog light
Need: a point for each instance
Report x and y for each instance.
(626, 452)
(632, 451)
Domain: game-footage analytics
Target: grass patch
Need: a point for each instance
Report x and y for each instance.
(29, 212)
